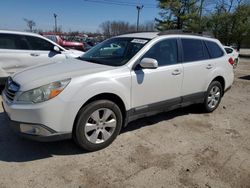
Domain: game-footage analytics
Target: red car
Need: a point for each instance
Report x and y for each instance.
(65, 44)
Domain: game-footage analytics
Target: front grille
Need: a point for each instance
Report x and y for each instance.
(11, 88)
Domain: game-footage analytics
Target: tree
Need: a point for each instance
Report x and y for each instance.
(148, 26)
(113, 28)
(106, 28)
(30, 24)
(230, 22)
(116, 28)
(240, 27)
(178, 14)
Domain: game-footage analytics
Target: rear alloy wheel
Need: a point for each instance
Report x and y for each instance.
(97, 125)
(213, 96)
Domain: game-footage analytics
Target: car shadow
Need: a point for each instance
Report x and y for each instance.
(1, 89)
(247, 77)
(16, 149)
(164, 116)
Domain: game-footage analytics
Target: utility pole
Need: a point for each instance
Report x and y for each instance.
(200, 16)
(139, 8)
(55, 16)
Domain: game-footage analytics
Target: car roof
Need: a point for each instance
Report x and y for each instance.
(152, 35)
(146, 35)
(227, 47)
(19, 33)
(29, 34)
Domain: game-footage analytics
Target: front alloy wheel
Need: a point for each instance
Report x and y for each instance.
(100, 126)
(97, 125)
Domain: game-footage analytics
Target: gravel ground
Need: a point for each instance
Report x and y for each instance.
(182, 148)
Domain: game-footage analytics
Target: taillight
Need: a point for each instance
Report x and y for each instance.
(231, 61)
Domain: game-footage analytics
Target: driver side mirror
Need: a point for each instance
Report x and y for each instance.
(56, 49)
(149, 63)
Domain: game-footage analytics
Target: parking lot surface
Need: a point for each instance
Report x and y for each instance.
(182, 148)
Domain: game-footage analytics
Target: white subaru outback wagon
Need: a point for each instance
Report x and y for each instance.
(91, 98)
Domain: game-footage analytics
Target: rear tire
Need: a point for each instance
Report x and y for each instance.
(213, 96)
(97, 125)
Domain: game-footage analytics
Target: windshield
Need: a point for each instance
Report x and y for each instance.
(115, 51)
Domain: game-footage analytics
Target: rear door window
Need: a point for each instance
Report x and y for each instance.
(13, 42)
(194, 50)
(37, 43)
(214, 50)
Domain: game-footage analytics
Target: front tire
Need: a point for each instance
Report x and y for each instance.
(97, 125)
(213, 96)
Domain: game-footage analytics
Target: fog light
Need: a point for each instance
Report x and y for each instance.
(34, 130)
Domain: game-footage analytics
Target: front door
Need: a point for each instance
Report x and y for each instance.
(160, 87)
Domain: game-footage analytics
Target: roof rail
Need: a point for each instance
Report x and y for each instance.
(186, 32)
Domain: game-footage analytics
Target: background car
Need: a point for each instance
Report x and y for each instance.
(87, 46)
(66, 44)
(233, 54)
(19, 50)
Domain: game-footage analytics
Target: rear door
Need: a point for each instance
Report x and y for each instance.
(197, 67)
(14, 53)
(42, 51)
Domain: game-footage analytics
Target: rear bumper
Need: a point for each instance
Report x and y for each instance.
(52, 136)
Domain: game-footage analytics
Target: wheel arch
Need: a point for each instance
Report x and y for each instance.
(105, 96)
(222, 82)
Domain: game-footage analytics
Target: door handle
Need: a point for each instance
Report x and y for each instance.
(34, 54)
(209, 66)
(176, 72)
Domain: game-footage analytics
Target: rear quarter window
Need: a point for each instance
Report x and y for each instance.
(214, 50)
(13, 42)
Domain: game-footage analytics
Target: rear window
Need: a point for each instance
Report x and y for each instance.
(214, 50)
(194, 50)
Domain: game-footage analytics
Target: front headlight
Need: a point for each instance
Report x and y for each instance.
(43, 93)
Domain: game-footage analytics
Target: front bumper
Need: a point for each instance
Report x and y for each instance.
(50, 136)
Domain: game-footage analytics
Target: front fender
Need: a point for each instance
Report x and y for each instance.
(80, 90)
(3, 73)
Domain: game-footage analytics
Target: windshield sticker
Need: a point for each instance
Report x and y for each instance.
(139, 41)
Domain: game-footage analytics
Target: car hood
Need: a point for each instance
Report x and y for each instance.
(44, 74)
(76, 53)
